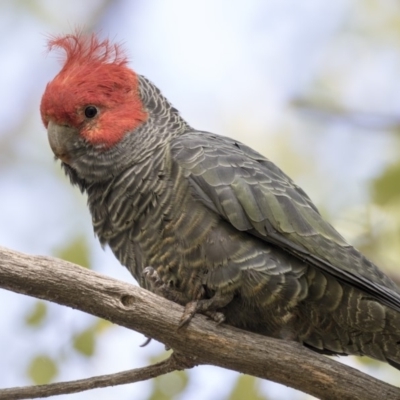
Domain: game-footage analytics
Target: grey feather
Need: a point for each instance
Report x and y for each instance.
(222, 226)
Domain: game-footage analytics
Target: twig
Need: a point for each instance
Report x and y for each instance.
(363, 119)
(171, 364)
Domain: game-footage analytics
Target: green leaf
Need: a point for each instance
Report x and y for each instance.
(102, 325)
(85, 342)
(167, 387)
(387, 187)
(42, 370)
(37, 315)
(76, 252)
(246, 388)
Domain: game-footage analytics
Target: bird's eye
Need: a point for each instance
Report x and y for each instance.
(90, 111)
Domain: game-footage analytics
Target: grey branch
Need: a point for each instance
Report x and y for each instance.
(121, 378)
(363, 119)
(281, 361)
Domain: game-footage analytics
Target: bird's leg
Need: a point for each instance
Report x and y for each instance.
(207, 307)
(159, 287)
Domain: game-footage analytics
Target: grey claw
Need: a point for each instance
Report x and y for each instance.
(148, 271)
(148, 340)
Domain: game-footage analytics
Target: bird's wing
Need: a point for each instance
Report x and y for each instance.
(254, 195)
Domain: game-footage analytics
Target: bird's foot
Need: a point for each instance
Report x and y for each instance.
(194, 307)
(207, 307)
(151, 276)
(188, 313)
(216, 316)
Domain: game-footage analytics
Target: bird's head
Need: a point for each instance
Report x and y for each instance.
(94, 100)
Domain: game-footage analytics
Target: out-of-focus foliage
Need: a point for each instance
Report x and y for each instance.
(76, 251)
(313, 85)
(42, 369)
(85, 341)
(386, 188)
(170, 386)
(247, 387)
(37, 315)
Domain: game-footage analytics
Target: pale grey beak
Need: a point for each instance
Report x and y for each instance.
(61, 139)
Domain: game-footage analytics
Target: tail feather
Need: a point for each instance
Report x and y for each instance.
(359, 324)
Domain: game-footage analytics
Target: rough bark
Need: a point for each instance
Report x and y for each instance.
(120, 378)
(281, 361)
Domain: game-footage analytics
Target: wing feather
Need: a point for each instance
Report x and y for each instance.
(255, 196)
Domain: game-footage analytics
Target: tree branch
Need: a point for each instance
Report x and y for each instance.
(364, 119)
(281, 361)
(172, 363)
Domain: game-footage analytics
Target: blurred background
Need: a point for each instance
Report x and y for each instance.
(312, 85)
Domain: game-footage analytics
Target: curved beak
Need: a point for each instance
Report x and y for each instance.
(61, 139)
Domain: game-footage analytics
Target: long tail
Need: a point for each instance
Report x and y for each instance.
(345, 320)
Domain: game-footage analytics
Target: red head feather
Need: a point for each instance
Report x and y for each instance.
(94, 73)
